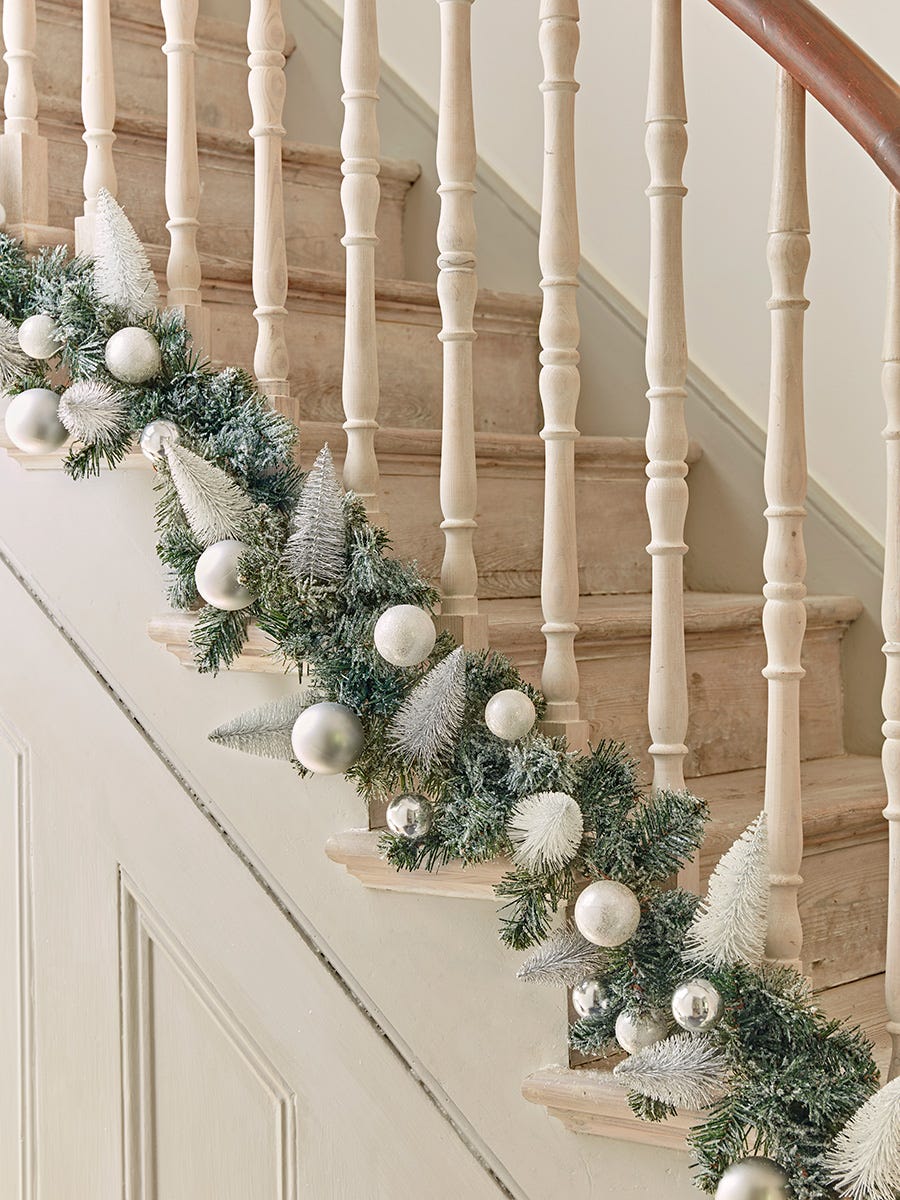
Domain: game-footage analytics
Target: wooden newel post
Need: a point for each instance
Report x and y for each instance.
(457, 293)
(23, 152)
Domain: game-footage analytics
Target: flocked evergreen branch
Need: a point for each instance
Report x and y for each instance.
(123, 277)
(684, 1071)
(865, 1160)
(428, 721)
(564, 960)
(214, 506)
(14, 363)
(264, 731)
(731, 924)
(316, 549)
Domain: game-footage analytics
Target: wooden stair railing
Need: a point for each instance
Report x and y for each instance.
(23, 151)
(98, 109)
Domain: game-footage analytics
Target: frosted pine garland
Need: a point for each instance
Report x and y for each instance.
(865, 1158)
(427, 722)
(564, 960)
(317, 547)
(685, 1071)
(13, 359)
(92, 411)
(213, 504)
(731, 924)
(545, 830)
(264, 731)
(123, 277)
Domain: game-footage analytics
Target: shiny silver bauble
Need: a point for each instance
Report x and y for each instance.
(410, 815)
(133, 355)
(637, 1031)
(327, 738)
(590, 998)
(607, 913)
(510, 715)
(156, 436)
(216, 576)
(753, 1179)
(697, 1006)
(39, 336)
(32, 421)
(405, 635)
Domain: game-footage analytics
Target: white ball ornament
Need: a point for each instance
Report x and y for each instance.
(409, 815)
(39, 336)
(697, 1006)
(637, 1031)
(216, 576)
(405, 635)
(590, 998)
(753, 1179)
(32, 421)
(510, 715)
(156, 436)
(133, 355)
(607, 913)
(327, 738)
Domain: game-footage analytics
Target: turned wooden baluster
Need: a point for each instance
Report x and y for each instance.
(265, 41)
(98, 111)
(784, 613)
(667, 436)
(23, 152)
(560, 381)
(890, 620)
(360, 196)
(457, 292)
(183, 168)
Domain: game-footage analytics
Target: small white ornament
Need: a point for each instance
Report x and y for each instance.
(510, 714)
(405, 635)
(753, 1179)
(607, 913)
(637, 1031)
(216, 576)
(39, 336)
(32, 421)
(697, 1006)
(133, 355)
(156, 436)
(409, 815)
(590, 998)
(327, 738)
(545, 830)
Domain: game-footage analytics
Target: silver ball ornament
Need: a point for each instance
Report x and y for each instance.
(590, 998)
(510, 714)
(133, 355)
(607, 913)
(697, 1006)
(409, 815)
(32, 421)
(39, 336)
(405, 635)
(753, 1179)
(327, 738)
(637, 1031)
(157, 435)
(216, 576)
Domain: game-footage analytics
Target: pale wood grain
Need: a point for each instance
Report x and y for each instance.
(266, 85)
(23, 151)
(560, 381)
(784, 615)
(360, 197)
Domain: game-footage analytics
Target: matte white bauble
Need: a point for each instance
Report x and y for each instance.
(327, 738)
(753, 1179)
(405, 635)
(216, 576)
(636, 1032)
(157, 435)
(607, 913)
(32, 421)
(39, 336)
(510, 715)
(133, 355)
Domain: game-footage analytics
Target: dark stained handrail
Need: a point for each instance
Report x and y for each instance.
(843, 78)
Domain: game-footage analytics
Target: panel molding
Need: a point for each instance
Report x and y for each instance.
(141, 933)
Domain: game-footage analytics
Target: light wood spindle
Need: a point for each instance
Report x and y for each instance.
(98, 111)
(360, 196)
(560, 380)
(23, 152)
(183, 168)
(266, 84)
(784, 563)
(457, 292)
(667, 436)
(890, 619)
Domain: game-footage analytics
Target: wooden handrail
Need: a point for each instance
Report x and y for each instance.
(857, 92)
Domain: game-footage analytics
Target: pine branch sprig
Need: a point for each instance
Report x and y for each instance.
(563, 961)
(264, 731)
(684, 1071)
